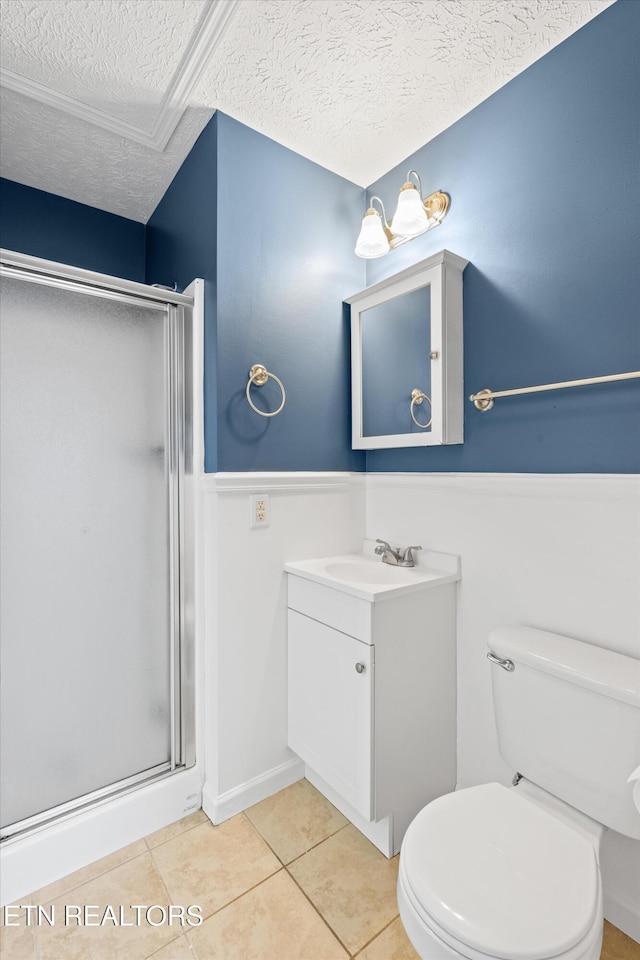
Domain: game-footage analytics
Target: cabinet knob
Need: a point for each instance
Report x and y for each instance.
(359, 667)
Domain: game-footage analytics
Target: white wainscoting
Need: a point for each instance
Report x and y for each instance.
(560, 552)
(312, 515)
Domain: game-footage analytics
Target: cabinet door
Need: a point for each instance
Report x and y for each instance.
(330, 694)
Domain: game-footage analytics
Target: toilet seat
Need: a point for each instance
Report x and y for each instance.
(496, 875)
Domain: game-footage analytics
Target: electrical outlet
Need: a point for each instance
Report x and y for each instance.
(259, 515)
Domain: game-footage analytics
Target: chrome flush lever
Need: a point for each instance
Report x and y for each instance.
(505, 664)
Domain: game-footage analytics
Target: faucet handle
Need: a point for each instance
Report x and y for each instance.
(383, 546)
(408, 555)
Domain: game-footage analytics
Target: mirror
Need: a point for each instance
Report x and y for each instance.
(396, 342)
(406, 357)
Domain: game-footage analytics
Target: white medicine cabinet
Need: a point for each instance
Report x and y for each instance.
(407, 358)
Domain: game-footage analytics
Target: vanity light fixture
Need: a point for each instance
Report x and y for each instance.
(413, 217)
(375, 235)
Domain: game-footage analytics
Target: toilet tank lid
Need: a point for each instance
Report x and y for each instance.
(604, 671)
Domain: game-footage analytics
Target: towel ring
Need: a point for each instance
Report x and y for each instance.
(417, 396)
(259, 375)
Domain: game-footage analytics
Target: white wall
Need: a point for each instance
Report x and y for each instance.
(552, 551)
(312, 515)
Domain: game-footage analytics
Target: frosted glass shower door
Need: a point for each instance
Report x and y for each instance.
(88, 544)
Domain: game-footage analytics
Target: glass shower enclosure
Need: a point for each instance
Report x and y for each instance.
(96, 643)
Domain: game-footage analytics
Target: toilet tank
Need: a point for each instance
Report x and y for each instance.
(568, 719)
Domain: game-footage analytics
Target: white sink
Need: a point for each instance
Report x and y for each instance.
(365, 575)
(358, 570)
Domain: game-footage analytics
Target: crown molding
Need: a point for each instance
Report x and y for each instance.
(205, 38)
(75, 108)
(174, 102)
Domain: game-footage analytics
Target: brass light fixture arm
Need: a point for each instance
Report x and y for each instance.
(417, 176)
(385, 223)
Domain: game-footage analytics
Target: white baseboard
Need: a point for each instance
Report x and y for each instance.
(623, 914)
(226, 805)
(31, 862)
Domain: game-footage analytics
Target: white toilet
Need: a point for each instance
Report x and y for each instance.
(513, 872)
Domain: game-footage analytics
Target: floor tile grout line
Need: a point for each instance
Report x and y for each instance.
(378, 932)
(36, 942)
(145, 853)
(83, 883)
(34, 946)
(214, 912)
(150, 956)
(325, 921)
(328, 836)
(148, 849)
(175, 836)
(283, 866)
(191, 947)
(295, 859)
(165, 886)
(299, 857)
(331, 835)
(375, 937)
(239, 897)
(264, 839)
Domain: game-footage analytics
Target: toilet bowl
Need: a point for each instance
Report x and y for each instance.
(512, 873)
(489, 873)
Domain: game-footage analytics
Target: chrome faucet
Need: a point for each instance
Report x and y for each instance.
(397, 556)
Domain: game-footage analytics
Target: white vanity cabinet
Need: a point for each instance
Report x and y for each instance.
(371, 696)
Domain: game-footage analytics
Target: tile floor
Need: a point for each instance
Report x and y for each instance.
(290, 879)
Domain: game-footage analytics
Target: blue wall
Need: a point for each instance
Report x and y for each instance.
(271, 234)
(181, 245)
(44, 225)
(543, 178)
(285, 264)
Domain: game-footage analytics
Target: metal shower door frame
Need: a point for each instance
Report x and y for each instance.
(178, 333)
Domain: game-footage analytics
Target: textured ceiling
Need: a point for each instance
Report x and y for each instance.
(89, 86)
(107, 53)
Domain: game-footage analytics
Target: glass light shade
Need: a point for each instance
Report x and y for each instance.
(410, 218)
(372, 241)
